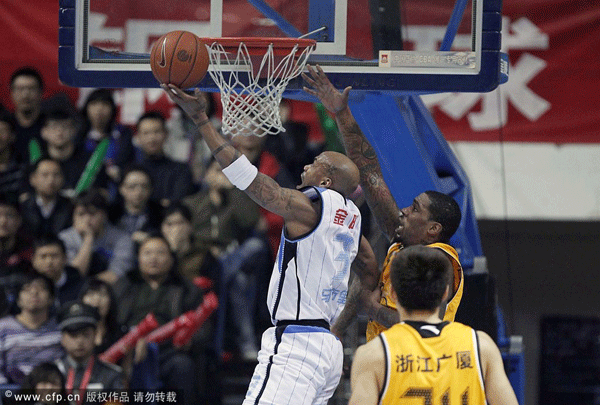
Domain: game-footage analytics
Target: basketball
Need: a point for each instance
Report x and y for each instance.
(179, 58)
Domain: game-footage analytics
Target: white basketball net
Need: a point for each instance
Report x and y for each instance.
(250, 96)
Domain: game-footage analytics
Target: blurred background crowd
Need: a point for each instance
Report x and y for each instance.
(110, 222)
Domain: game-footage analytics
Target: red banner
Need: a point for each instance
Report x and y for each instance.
(552, 94)
(553, 90)
(29, 32)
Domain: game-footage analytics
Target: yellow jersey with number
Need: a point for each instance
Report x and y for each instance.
(433, 364)
(375, 328)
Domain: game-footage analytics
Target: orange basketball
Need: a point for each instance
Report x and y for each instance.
(179, 58)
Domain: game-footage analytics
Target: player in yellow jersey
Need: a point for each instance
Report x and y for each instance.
(431, 219)
(424, 360)
(380, 304)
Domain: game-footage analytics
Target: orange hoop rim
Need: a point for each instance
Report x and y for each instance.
(258, 45)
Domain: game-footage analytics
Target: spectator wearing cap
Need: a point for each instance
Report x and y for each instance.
(50, 259)
(80, 365)
(94, 246)
(31, 336)
(45, 211)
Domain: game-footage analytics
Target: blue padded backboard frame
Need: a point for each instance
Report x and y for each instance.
(491, 74)
(414, 154)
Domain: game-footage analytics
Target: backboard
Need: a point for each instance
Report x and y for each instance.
(392, 46)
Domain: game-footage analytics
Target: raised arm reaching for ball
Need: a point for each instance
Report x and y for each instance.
(320, 243)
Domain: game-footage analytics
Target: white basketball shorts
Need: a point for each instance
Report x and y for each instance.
(297, 365)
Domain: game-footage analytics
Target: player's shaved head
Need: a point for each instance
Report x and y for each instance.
(344, 173)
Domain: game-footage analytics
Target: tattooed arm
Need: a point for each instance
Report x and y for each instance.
(296, 209)
(361, 299)
(351, 308)
(365, 268)
(358, 148)
(386, 316)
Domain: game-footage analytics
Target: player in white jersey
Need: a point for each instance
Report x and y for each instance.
(310, 281)
(300, 361)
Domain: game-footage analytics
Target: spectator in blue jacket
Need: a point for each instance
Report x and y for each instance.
(94, 246)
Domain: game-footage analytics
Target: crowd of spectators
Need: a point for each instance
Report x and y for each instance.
(93, 213)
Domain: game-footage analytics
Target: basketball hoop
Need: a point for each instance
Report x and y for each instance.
(252, 74)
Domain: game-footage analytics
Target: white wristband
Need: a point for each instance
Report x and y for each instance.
(241, 172)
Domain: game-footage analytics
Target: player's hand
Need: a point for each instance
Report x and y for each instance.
(322, 88)
(82, 224)
(193, 105)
